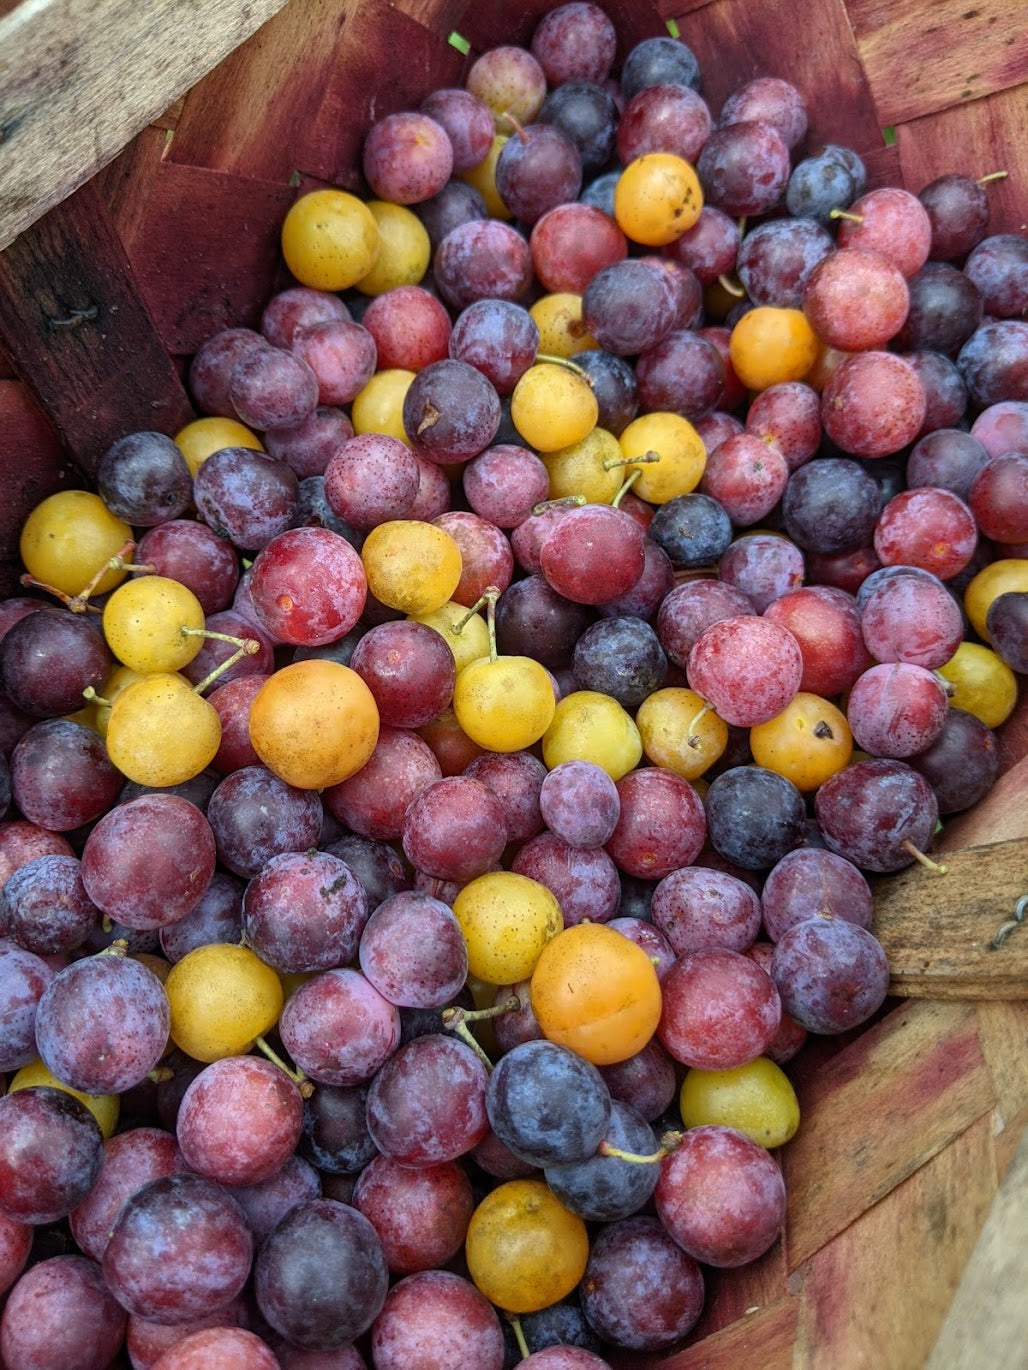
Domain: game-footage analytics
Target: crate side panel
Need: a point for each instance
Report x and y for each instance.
(975, 139)
(301, 96)
(987, 1322)
(75, 86)
(876, 1112)
(857, 1308)
(80, 333)
(963, 52)
(205, 254)
(814, 48)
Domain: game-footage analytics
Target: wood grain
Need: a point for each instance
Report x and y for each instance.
(877, 1294)
(79, 332)
(737, 40)
(76, 85)
(876, 1112)
(762, 1340)
(937, 929)
(987, 1323)
(974, 138)
(963, 52)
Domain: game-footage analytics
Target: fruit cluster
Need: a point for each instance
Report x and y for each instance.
(442, 796)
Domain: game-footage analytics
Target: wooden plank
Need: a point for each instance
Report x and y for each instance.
(263, 113)
(736, 40)
(960, 52)
(762, 1340)
(78, 80)
(203, 245)
(975, 138)
(33, 464)
(80, 334)
(937, 930)
(1003, 1032)
(877, 1112)
(987, 1323)
(878, 1293)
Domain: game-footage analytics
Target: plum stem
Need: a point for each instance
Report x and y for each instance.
(455, 1015)
(993, 176)
(91, 696)
(297, 1076)
(487, 600)
(668, 1143)
(845, 214)
(567, 363)
(160, 1074)
(646, 459)
(119, 947)
(245, 646)
(469, 1039)
(925, 861)
(690, 733)
(565, 502)
(616, 501)
(731, 286)
(79, 604)
(519, 1335)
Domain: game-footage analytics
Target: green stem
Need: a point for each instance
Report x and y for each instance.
(616, 501)
(453, 1016)
(845, 214)
(993, 176)
(469, 1039)
(565, 502)
(297, 1076)
(519, 1336)
(554, 360)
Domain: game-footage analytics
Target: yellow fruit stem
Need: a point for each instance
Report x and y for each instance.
(566, 362)
(845, 214)
(486, 599)
(519, 1336)
(647, 458)
(731, 286)
(993, 176)
(79, 604)
(616, 501)
(245, 646)
(690, 733)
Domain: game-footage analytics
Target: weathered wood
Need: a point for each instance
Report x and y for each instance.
(79, 332)
(76, 85)
(731, 1294)
(32, 465)
(203, 245)
(736, 40)
(256, 116)
(877, 1294)
(937, 930)
(877, 1112)
(987, 1323)
(963, 52)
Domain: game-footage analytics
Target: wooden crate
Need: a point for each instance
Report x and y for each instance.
(147, 156)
